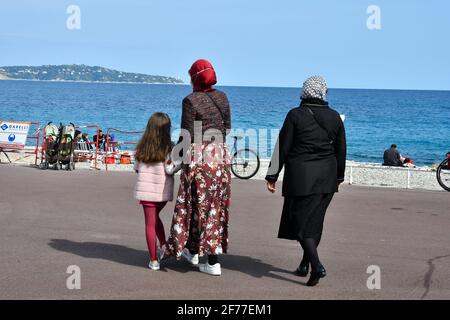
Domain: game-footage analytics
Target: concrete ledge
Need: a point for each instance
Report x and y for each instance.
(367, 174)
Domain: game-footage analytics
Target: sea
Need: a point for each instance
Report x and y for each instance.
(417, 121)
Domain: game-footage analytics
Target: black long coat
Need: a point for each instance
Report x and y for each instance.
(312, 148)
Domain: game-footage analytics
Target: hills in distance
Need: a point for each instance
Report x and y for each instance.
(82, 73)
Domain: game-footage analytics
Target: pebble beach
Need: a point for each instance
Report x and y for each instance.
(357, 173)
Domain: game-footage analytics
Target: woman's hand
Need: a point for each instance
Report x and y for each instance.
(271, 186)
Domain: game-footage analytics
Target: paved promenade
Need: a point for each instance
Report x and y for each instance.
(52, 219)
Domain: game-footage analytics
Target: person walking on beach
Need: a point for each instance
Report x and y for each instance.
(154, 186)
(200, 221)
(312, 148)
(391, 157)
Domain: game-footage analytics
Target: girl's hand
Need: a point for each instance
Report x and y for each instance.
(271, 186)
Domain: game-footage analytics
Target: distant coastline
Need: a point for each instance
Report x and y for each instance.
(81, 73)
(97, 82)
(5, 78)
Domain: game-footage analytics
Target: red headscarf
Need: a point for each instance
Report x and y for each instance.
(203, 76)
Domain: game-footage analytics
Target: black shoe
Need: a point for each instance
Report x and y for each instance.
(302, 270)
(315, 277)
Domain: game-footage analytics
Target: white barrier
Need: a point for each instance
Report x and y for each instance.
(364, 174)
(367, 174)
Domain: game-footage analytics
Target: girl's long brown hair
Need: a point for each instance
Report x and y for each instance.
(155, 143)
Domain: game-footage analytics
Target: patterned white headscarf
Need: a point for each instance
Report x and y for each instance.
(314, 87)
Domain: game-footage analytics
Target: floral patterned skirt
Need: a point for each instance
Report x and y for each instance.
(200, 220)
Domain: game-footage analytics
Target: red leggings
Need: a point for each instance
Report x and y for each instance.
(154, 228)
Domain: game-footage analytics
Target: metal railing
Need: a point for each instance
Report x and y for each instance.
(109, 143)
(87, 154)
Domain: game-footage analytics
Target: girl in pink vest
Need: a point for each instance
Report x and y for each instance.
(154, 186)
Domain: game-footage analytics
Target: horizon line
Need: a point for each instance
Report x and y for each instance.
(332, 88)
(220, 85)
(187, 83)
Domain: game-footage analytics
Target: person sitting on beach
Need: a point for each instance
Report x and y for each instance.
(391, 157)
(77, 135)
(81, 141)
(154, 186)
(407, 162)
(101, 140)
(77, 138)
(85, 139)
(110, 143)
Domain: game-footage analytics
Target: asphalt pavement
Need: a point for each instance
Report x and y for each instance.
(50, 220)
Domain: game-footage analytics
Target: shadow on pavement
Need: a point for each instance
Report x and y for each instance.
(106, 251)
(256, 268)
(139, 258)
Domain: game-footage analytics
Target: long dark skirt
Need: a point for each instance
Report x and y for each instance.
(303, 217)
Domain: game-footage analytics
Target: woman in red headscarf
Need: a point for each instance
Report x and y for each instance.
(200, 221)
(203, 76)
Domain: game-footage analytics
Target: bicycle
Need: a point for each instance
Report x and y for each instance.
(244, 162)
(443, 173)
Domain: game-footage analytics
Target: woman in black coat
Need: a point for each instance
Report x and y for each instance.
(312, 148)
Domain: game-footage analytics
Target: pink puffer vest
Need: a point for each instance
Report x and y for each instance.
(153, 184)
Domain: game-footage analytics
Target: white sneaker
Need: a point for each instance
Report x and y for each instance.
(154, 265)
(213, 270)
(191, 258)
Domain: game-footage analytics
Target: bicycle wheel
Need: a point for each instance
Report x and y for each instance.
(245, 163)
(443, 174)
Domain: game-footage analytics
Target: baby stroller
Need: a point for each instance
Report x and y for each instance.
(59, 145)
(66, 147)
(51, 140)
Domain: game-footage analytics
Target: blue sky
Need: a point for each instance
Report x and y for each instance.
(250, 42)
